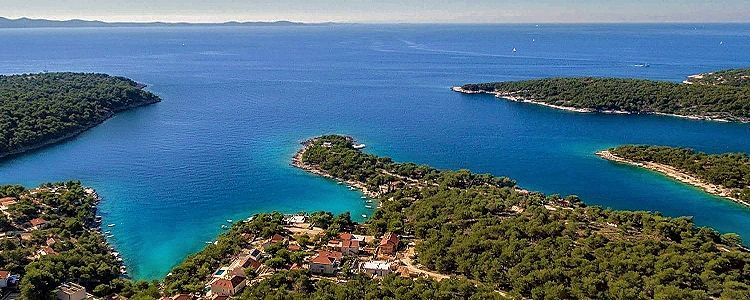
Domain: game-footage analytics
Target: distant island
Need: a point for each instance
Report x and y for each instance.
(724, 175)
(719, 96)
(41, 109)
(43, 23)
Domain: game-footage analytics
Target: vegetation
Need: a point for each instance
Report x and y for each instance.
(735, 77)
(36, 109)
(731, 170)
(300, 285)
(545, 247)
(725, 100)
(78, 253)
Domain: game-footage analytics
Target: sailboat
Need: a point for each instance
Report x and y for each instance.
(514, 50)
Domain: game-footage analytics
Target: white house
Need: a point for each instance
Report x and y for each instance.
(376, 268)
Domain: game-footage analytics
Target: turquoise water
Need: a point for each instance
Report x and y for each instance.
(237, 102)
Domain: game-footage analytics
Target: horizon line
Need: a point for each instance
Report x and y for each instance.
(373, 22)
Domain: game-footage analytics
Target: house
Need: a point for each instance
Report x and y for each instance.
(350, 247)
(38, 223)
(327, 144)
(275, 239)
(376, 268)
(6, 202)
(71, 291)
(50, 242)
(239, 265)
(182, 297)
(295, 219)
(293, 247)
(4, 276)
(228, 286)
(325, 262)
(345, 244)
(255, 254)
(389, 244)
(46, 250)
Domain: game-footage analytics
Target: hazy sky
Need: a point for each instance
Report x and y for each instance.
(467, 11)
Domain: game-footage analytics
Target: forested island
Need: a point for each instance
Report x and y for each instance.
(722, 95)
(41, 109)
(725, 175)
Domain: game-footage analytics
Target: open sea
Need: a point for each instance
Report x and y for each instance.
(238, 101)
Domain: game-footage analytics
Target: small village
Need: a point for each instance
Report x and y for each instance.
(324, 259)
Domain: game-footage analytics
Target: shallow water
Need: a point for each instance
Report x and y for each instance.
(237, 102)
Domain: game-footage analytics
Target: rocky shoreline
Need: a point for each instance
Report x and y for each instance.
(297, 162)
(509, 95)
(674, 173)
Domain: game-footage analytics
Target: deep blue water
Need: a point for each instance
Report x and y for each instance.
(237, 102)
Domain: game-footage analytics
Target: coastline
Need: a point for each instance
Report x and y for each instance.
(511, 97)
(674, 173)
(96, 226)
(298, 163)
(75, 133)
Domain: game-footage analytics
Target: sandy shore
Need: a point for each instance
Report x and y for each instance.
(674, 173)
(512, 97)
(298, 163)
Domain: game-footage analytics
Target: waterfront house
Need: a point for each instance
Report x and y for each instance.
(228, 286)
(38, 223)
(325, 262)
(71, 291)
(345, 243)
(4, 276)
(376, 268)
(389, 244)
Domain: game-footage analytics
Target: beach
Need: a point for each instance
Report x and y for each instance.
(674, 173)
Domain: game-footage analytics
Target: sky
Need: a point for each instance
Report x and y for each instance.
(385, 11)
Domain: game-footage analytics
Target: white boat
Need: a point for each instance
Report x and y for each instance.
(111, 225)
(359, 146)
(363, 197)
(364, 216)
(369, 200)
(224, 227)
(229, 220)
(352, 188)
(514, 50)
(368, 206)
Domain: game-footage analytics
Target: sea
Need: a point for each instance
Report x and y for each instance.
(238, 101)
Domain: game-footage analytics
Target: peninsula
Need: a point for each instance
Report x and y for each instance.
(718, 96)
(440, 234)
(724, 175)
(41, 109)
(50, 235)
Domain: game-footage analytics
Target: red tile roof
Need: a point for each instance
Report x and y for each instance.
(350, 244)
(345, 236)
(321, 259)
(182, 297)
(38, 221)
(229, 283)
(277, 238)
(7, 201)
(326, 257)
(389, 238)
(4, 274)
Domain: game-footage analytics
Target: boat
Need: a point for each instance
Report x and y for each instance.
(514, 50)
(229, 220)
(363, 197)
(364, 216)
(642, 65)
(111, 225)
(368, 206)
(107, 232)
(359, 146)
(224, 227)
(208, 243)
(339, 183)
(369, 200)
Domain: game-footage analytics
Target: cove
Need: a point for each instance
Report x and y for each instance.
(238, 101)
